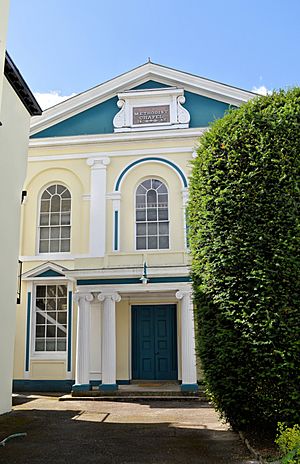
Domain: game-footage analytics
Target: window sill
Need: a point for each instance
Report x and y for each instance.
(49, 356)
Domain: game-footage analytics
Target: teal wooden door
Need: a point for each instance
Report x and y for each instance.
(154, 342)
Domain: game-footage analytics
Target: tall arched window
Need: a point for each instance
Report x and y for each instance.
(55, 220)
(152, 215)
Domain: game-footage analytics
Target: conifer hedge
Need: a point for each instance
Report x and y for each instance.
(245, 242)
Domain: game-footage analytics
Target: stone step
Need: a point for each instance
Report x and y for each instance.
(139, 392)
(131, 398)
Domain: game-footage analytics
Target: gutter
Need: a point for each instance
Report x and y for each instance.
(19, 85)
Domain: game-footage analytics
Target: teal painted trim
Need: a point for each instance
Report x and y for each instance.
(69, 354)
(187, 229)
(96, 383)
(161, 280)
(116, 231)
(50, 273)
(81, 387)
(21, 385)
(189, 387)
(133, 280)
(204, 110)
(151, 85)
(108, 387)
(95, 120)
(27, 353)
(151, 158)
(99, 118)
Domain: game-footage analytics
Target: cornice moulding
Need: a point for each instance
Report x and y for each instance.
(116, 137)
(112, 154)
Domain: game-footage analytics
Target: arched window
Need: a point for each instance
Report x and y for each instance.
(152, 215)
(55, 220)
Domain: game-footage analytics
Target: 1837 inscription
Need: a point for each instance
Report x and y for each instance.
(151, 114)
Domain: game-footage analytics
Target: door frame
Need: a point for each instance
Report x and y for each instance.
(176, 339)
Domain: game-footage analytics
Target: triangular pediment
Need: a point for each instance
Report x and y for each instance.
(92, 112)
(45, 271)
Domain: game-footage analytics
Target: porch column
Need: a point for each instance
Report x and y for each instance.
(82, 372)
(109, 352)
(189, 373)
(98, 205)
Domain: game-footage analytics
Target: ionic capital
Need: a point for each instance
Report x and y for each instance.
(83, 296)
(113, 296)
(184, 293)
(98, 163)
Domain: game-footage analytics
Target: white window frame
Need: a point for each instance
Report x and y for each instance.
(152, 250)
(51, 254)
(48, 355)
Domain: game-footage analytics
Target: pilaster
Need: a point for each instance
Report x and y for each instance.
(82, 380)
(189, 373)
(98, 205)
(116, 203)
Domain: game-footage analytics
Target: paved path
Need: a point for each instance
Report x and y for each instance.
(73, 432)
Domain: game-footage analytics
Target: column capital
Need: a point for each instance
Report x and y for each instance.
(184, 292)
(98, 163)
(83, 296)
(113, 295)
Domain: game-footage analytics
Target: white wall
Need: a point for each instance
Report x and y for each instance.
(13, 162)
(4, 7)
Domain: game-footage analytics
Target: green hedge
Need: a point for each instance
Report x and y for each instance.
(245, 242)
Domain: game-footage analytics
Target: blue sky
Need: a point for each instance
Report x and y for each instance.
(68, 46)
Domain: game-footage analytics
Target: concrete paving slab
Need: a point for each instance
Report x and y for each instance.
(108, 432)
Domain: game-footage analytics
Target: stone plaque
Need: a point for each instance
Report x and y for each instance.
(151, 114)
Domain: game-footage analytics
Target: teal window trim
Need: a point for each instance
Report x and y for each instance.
(116, 231)
(187, 230)
(151, 158)
(133, 280)
(69, 354)
(28, 330)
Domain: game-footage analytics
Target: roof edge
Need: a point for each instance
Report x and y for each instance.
(21, 88)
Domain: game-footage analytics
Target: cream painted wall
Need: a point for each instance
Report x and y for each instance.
(4, 10)
(47, 369)
(13, 159)
(75, 174)
(41, 175)
(127, 219)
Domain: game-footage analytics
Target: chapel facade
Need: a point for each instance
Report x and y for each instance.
(106, 291)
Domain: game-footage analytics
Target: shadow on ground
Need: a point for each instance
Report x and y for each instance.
(66, 437)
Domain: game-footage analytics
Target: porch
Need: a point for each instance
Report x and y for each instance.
(135, 339)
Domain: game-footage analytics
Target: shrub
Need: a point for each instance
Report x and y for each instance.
(288, 440)
(245, 241)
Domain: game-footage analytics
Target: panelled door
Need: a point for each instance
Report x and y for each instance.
(154, 342)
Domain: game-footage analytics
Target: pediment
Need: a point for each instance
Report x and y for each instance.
(93, 111)
(45, 271)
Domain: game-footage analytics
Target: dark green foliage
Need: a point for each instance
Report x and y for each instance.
(245, 242)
